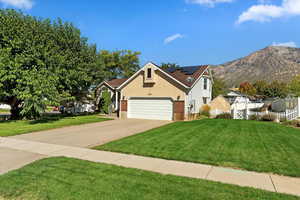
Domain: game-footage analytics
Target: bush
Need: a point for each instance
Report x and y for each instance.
(224, 116)
(106, 102)
(205, 110)
(294, 123)
(268, 118)
(254, 117)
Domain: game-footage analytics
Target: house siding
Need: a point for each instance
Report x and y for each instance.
(196, 95)
(161, 88)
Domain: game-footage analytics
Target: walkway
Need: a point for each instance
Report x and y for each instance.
(263, 181)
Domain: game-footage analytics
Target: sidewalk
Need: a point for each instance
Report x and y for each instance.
(263, 181)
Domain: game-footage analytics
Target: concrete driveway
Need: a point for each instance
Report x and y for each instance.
(90, 135)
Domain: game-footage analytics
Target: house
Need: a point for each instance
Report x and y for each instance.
(164, 94)
(110, 86)
(219, 105)
(242, 104)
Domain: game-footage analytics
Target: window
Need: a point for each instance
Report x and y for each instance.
(204, 100)
(205, 84)
(149, 71)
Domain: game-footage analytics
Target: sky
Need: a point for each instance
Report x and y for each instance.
(186, 32)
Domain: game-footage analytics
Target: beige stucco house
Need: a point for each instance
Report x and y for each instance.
(165, 94)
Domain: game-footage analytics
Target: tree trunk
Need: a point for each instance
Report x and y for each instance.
(15, 109)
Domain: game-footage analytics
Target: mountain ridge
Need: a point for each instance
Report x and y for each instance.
(269, 64)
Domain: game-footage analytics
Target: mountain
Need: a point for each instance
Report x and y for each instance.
(269, 64)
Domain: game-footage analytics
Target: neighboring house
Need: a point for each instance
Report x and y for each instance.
(219, 105)
(164, 94)
(5, 106)
(242, 104)
(110, 86)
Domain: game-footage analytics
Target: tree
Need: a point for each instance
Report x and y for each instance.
(247, 88)
(106, 96)
(169, 65)
(294, 86)
(219, 87)
(277, 89)
(261, 87)
(117, 64)
(41, 62)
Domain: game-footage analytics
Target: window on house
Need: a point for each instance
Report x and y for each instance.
(149, 71)
(204, 100)
(205, 84)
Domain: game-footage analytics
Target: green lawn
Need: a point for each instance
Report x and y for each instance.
(10, 128)
(251, 145)
(66, 178)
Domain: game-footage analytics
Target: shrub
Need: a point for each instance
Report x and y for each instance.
(106, 102)
(294, 123)
(254, 117)
(205, 110)
(224, 116)
(268, 117)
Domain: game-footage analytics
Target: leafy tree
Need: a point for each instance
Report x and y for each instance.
(247, 88)
(117, 64)
(261, 87)
(41, 62)
(169, 65)
(277, 89)
(294, 86)
(106, 99)
(218, 88)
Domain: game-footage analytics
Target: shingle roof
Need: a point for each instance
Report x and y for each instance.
(187, 75)
(114, 83)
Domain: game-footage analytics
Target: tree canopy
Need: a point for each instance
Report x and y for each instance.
(219, 87)
(247, 88)
(116, 64)
(169, 65)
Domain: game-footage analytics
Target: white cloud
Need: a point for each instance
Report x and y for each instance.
(265, 13)
(210, 3)
(285, 44)
(23, 4)
(172, 38)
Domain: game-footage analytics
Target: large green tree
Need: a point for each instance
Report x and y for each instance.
(116, 64)
(41, 62)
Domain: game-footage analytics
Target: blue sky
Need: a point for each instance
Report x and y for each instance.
(186, 32)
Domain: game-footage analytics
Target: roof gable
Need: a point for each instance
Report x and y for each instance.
(185, 76)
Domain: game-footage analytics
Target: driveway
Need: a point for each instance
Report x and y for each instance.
(90, 135)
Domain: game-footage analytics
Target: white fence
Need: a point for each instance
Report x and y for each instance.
(289, 114)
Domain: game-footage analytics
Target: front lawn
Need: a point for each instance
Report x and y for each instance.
(10, 128)
(66, 178)
(251, 145)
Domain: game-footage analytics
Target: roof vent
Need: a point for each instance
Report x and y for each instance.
(189, 79)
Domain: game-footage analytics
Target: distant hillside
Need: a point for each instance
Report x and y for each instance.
(271, 63)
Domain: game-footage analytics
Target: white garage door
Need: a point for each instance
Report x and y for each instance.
(150, 108)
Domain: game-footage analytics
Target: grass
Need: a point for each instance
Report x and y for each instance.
(66, 178)
(250, 145)
(10, 128)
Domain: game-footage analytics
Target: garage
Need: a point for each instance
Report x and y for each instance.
(150, 108)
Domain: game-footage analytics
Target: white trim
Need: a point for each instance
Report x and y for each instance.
(102, 83)
(133, 76)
